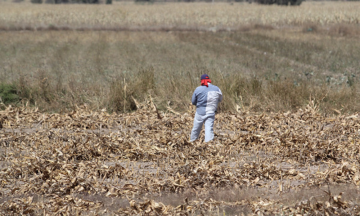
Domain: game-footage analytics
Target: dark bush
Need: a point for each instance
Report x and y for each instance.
(36, 1)
(141, 1)
(8, 93)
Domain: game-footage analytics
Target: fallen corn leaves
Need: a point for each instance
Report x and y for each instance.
(86, 162)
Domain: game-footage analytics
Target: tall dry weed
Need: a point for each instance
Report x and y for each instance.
(124, 89)
(257, 70)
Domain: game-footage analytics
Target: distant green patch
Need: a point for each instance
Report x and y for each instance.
(8, 94)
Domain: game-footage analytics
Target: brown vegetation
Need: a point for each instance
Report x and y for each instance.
(85, 162)
(258, 69)
(175, 15)
(99, 120)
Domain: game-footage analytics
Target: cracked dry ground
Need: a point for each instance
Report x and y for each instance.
(95, 163)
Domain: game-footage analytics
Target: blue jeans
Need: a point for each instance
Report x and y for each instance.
(199, 120)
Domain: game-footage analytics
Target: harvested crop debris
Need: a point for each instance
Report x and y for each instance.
(87, 162)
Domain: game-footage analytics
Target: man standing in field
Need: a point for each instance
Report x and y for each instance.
(206, 98)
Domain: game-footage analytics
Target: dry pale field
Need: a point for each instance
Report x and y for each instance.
(175, 15)
(94, 163)
(78, 159)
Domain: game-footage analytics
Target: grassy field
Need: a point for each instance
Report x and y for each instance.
(265, 58)
(258, 69)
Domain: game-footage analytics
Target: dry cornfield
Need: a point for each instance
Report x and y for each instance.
(95, 163)
(203, 16)
(86, 162)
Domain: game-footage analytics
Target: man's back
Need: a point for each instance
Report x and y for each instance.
(206, 99)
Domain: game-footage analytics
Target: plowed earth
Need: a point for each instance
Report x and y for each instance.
(95, 163)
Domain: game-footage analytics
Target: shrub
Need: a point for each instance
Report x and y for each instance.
(8, 93)
(144, 1)
(36, 1)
